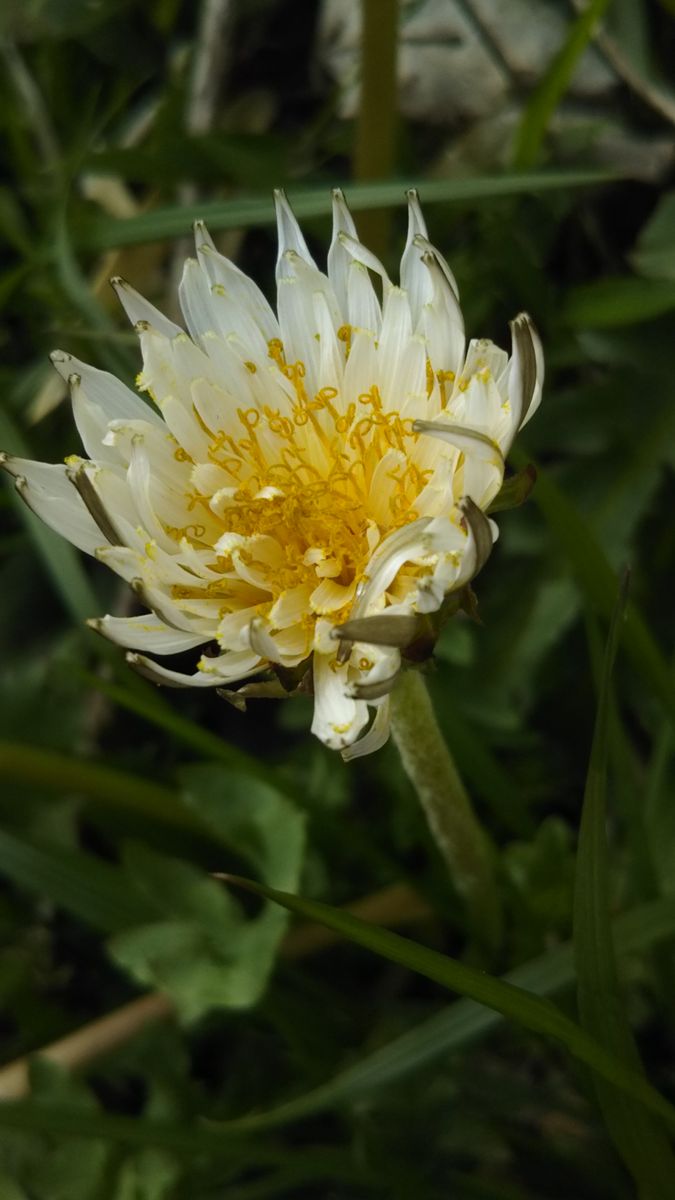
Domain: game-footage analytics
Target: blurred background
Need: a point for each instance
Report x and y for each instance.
(541, 136)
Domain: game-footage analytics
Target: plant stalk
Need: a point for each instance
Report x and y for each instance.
(447, 807)
(376, 123)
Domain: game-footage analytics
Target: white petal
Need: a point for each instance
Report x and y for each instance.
(441, 320)
(212, 673)
(401, 358)
(117, 401)
(338, 719)
(194, 294)
(146, 633)
(330, 358)
(373, 669)
(329, 596)
(404, 545)
(233, 630)
(261, 640)
(291, 607)
(238, 292)
(526, 377)
(414, 278)
(363, 307)
(463, 437)
(297, 288)
(167, 611)
(48, 492)
(140, 311)
(289, 232)
(339, 259)
(375, 738)
(363, 255)
(425, 246)
(141, 485)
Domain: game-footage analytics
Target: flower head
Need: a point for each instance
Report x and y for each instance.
(301, 489)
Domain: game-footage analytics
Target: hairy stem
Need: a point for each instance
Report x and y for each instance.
(456, 831)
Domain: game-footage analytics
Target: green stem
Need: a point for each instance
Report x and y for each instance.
(375, 135)
(456, 831)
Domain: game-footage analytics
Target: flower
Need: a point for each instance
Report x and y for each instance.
(304, 487)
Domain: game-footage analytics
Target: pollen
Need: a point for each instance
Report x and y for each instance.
(302, 485)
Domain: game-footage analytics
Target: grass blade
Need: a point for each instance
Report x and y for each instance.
(531, 1011)
(48, 769)
(639, 1140)
(461, 1024)
(248, 211)
(552, 87)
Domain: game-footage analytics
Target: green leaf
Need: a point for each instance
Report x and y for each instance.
(612, 303)
(638, 1138)
(249, 211)
(254, 819)
(531, 1011)
(206, 953)
(553, 85)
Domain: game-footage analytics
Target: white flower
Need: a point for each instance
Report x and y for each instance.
(296, 471)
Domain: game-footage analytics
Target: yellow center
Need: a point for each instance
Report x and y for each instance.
(304, 478)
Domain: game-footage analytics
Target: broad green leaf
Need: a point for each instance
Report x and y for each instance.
(513, 1002)
(598, 582)
(638, 1138)
(246, 212)
(552, 87)
(252, 818)
(612, 303)
(204, 952)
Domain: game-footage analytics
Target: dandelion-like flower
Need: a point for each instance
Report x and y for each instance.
(304, 488)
